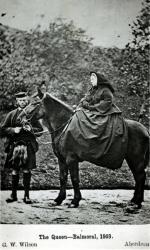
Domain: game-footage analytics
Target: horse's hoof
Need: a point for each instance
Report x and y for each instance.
(133, 208)
(134, 205)
(54, 204)
(73, 205)
(9, 200)
(27, 200)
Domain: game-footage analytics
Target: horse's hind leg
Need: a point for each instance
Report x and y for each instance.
(138, 169)
(63, 170)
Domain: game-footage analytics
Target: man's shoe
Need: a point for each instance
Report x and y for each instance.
(27, 200)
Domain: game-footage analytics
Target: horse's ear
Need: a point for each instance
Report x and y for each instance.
(40, 93)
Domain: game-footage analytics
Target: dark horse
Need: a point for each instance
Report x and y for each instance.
(56, 115)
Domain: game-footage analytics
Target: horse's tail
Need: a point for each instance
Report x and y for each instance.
(147, 164)
(146, 160)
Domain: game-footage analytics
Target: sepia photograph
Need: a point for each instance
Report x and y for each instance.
(74, 124)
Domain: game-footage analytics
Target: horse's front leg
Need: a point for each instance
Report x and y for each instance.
(63, 170)
(74, 172)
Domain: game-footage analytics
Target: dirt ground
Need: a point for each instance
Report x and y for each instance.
(96, 207)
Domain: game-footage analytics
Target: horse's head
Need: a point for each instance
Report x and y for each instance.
(36, 108)
(53, 111)
(53, 106)
(29, 112)
(31, 109)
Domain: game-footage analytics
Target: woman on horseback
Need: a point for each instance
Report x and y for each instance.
(97, 129)
(100, 96)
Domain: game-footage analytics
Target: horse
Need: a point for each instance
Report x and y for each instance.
(56, 115)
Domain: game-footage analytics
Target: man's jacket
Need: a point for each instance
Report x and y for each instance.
(26, 137)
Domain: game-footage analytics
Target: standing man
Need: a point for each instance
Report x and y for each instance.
(21, 146)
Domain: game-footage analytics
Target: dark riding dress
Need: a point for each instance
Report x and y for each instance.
(27, 138)
(97, 131)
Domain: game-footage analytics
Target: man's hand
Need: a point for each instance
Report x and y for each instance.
(17, 130)
(27, 127)
(77, 109)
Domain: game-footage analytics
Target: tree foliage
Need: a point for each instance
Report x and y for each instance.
(5, 46)
(135, 58)
(132, 74)
(62, 56)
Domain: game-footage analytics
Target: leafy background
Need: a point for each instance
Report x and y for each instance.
(62, 57)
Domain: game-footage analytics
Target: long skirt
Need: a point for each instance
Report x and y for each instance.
(99, 139)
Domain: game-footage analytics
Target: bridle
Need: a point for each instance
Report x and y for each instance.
(27, 121)
(64, 125)
(53, 132)
(26, 114)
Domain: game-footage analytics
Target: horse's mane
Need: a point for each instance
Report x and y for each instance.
(66, 106)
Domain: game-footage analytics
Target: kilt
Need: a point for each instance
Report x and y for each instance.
(30, 162)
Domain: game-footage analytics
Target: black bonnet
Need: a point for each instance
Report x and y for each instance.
(102, 81)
